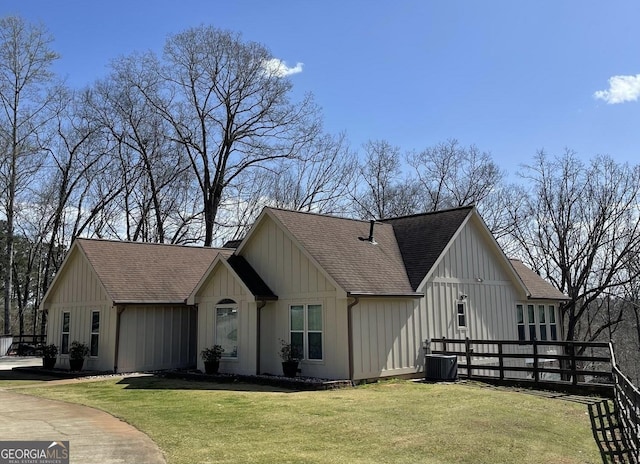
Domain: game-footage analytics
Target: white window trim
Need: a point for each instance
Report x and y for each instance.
(465, 313)
(233, 306)
(305, 331)
(527, 323)
(92, 333)
(63, 333)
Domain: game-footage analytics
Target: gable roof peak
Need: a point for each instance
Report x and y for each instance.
(430, 213)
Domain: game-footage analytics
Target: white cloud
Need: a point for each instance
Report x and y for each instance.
(621, 89)
(279, 68)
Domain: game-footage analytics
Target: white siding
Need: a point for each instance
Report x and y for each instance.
(387, 337)
(156, 337)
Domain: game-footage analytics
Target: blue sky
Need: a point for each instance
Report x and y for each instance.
(510, 76)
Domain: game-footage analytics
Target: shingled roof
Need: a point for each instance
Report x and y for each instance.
(134, 272)
(423, 237)
(341, 248)
(537, 287)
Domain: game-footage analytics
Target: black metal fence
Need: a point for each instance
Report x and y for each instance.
(627, 400)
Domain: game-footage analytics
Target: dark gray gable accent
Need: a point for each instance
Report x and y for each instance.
(423, 237)
(251, 279)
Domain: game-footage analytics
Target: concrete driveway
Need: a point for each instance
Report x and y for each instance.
(94, 436)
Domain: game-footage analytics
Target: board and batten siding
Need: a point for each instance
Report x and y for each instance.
(157, 337)
(79, 292)
(472, 267)
(387, 337)
(296, 280)
(222, 285)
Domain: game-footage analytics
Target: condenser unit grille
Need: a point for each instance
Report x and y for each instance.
(441, 367)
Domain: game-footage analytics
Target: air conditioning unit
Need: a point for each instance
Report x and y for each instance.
(439, 367)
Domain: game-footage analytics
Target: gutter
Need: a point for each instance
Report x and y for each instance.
(413, 295)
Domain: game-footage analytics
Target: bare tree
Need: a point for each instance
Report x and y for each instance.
(25, 62)
(580, 231)
(385, 193)
(451, 175)
(153, 169)
(228, 109)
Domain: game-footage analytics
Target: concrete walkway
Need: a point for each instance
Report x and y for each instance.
(94, 436)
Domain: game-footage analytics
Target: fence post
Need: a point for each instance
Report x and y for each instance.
(500, 361)
(444, 344)
(572, 353)
(427, 346)
(467, 349)
(536, 373)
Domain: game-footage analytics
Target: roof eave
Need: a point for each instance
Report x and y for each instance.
(413, 295)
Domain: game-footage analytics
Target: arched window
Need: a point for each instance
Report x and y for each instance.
(227, 327)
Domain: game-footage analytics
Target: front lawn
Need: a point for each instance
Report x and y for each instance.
(388, 422)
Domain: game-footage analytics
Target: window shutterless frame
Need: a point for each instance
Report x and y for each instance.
(66, 324)
(306, 330)
(95, 333)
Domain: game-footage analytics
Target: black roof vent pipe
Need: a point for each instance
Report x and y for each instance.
(371, 238)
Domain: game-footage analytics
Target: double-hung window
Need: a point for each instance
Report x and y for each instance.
(461, 314)
(95, 332)
(306, 330)
(66, 323)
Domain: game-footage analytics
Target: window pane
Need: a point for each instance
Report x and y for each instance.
(227, 331)
(531, 314)
(94, 344)
(315, 345)
(543, 332)
(552, 314)
(520, 312)
(532, 332)
(461, 321)
(297, 343)
(297, 317)
(65, 321)
(554, 332)
(314, 317)
(541, 318)
(521, 335)
(95, 321)
(64, 346)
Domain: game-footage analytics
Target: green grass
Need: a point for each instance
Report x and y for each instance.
(388, 422)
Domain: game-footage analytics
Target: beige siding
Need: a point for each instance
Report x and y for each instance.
(472, 267)
(80, 330)
(296, 280)
(387, 337)
(156, 337)
(79, 292)
(282, 265)
(275, 327)
(222, 284)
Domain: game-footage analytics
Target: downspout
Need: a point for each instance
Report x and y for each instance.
(119, 311)
(356, 300)
(261, 304)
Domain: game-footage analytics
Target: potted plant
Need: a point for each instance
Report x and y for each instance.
(291, 356)
(49, 354)
(211, 357)
(77, 353)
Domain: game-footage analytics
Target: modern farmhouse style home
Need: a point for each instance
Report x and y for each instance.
(358, 298)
